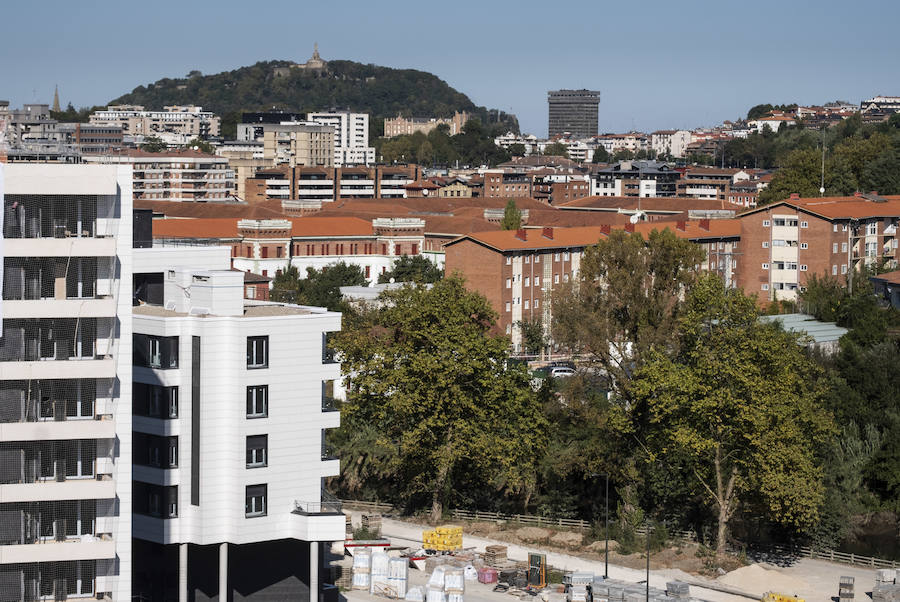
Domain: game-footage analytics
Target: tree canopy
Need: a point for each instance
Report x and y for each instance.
(512, 217)
(739, 403)
(320, 288)
(625, 299)
(474, 146)
(412, 268)
(380, 91)
(428, 379)
(557, 149)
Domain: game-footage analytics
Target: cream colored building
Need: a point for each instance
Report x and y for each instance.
(405, 126)
(299, 143)
(245, 158)
(134, 120)
(181, 175)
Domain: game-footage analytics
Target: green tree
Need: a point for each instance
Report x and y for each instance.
(600, 155)
(153, 144)
(426, 372)
(739, 401)
(517, 150)
(798, 175)
(557, 149)
(622, 154)
(532, 335)
(201, 145)
(626, 299)
(882, 174)
(321, 288)
(412, 268)
(512, 217)
(286, 286)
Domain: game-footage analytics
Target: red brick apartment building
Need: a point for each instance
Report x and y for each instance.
(518, 270)
(785, 242)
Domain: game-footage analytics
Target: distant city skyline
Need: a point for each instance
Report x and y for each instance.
(665, 66)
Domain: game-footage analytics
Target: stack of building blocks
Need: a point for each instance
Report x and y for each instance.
(443, 539)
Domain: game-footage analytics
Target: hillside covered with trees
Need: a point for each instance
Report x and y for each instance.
(379, 91)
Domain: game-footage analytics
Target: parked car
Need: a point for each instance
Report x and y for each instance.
(562, 372)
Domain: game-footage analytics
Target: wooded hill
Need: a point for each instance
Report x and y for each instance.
(380, 91)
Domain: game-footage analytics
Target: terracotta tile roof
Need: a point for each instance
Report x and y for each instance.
(889, 277)
(648, 204)
(301, 227)
(264, 210)
(510, 240)
(181, 152)
(195, 228)
(842, 207)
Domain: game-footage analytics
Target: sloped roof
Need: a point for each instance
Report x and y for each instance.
(848, 207)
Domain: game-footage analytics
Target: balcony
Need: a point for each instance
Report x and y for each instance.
(88, 547)
(101, 488)
(328, 505)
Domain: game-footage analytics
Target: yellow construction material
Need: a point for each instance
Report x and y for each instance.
(776, 597)
(443, 539)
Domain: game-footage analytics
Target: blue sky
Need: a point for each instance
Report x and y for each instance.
(657, 64)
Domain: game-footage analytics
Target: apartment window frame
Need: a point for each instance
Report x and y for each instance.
(255, 500)
(765, 287)
(257, 401)
(765, 244)
(257, 352)
(508, 309)
(804, 267)
(804, 224)
(804, 245)
(765, 266)
(766, 223)
(257, 451)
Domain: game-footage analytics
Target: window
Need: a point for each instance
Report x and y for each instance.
(257, 451)
(804, 245)
(255, 501)
(766, 223)
(537, 280)
(843, 247)
(528, 259)
(804, 224)
(508, 283)
(834, 227)
(257, 401)
(871, 249)
(803, 267)
(765, 244)
(765, 266)
(537, 258)
(527, 281)
(834, 270)
(507, 306)
(834, 247)
(154, 401)
(155, 352)
(566, 256)
(556, 257)
(257, 352)
(765, 287)
(555, 278)
(508, 260)
(843, 268)
(508, 328)
(565, 277)
(526, 303)
(871, 228)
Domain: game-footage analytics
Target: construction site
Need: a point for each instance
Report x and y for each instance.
(450, 563)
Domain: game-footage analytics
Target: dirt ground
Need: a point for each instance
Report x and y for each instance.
(680, 555)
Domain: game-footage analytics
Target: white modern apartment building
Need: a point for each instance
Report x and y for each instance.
(180, 175)
(231, 403)
(351, 137)
(671, 142)
(65, 382)
(135, 120)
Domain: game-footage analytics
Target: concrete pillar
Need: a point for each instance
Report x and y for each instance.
(223, 572)
(313, 571)
(183, 573)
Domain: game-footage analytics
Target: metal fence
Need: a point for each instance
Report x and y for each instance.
(575, 523)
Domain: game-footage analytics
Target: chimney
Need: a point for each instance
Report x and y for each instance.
(521, 234)
(604, 228)
(629, 227)
(795, 196)
(681, 225)
(704, 224)
(548, 233)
